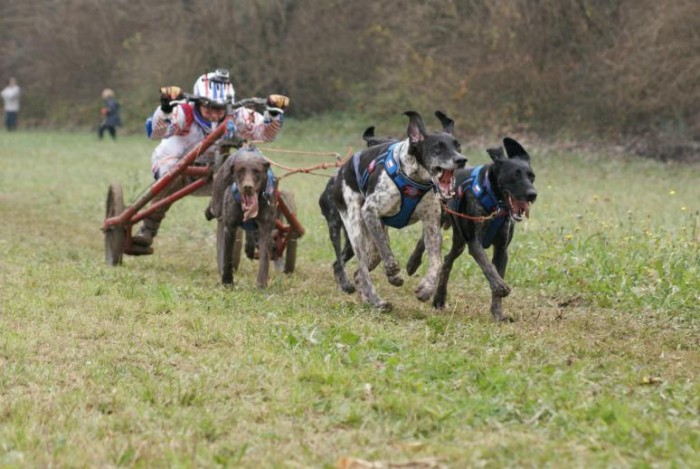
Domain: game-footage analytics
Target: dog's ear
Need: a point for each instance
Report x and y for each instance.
(448, 125)
(416, 129)
(368, 134)
(228, 168)
(515, 150)
(496, 154)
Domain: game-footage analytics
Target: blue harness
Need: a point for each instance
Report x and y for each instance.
(411, 191)
(252, 224)
(488, 200)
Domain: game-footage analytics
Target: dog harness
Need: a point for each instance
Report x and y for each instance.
(252, 224)
(487, 199)
(411, 191)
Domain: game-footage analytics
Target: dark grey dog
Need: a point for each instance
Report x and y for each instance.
(385, 185)
(490, 199)
(242, 195)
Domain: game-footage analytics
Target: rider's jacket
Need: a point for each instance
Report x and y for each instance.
(184, 128)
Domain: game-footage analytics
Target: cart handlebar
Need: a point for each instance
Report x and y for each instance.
(247, 102)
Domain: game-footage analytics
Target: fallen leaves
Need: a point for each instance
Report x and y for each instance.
(354, 463)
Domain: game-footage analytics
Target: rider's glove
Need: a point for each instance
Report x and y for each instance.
(278, 101)
(168, 94)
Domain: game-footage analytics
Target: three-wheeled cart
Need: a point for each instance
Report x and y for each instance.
(198, 172)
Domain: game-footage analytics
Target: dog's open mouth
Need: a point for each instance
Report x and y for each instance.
(444, 181)
(249, 204)
(517, 208)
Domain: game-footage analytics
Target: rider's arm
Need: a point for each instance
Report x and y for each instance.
(176, 122)
(252, 125)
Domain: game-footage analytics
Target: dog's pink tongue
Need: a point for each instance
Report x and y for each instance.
(521, 206)
(445, 182)
(250, 206)
(525, 207)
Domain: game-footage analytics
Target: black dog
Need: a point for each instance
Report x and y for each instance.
(335, 223)
(242, 194)
(385, 185)
(490, 199)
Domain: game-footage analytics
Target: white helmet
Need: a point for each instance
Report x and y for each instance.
(214, 88)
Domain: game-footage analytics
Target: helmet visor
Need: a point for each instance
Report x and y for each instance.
(209, 104)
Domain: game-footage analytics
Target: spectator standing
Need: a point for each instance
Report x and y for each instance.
(10, 97)
(110, 113)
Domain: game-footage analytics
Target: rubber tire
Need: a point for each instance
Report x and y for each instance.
(290, 250)
(290, 256)
(114, 235)
(237, 248)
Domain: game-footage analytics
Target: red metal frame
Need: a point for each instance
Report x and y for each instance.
(294, 229)
(133, 215)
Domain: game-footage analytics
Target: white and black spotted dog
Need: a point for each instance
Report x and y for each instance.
(336, 230)
(392, 184)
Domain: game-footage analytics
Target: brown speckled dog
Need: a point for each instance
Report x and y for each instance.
(241, 196)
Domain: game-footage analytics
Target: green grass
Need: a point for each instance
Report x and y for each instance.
(154, 363)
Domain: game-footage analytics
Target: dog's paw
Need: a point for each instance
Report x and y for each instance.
(396, 280)
(384, 306)
(501, 290)
(343, 281)
(392, 269)
(439, 299)
(500, 317)
(424, 292)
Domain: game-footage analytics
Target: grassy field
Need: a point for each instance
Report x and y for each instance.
(155, 364)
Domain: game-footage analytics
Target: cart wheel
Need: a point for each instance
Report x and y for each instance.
(237, 247)
(290, 258)
(114, 235)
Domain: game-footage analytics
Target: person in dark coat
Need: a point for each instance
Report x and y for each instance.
(110, 114)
